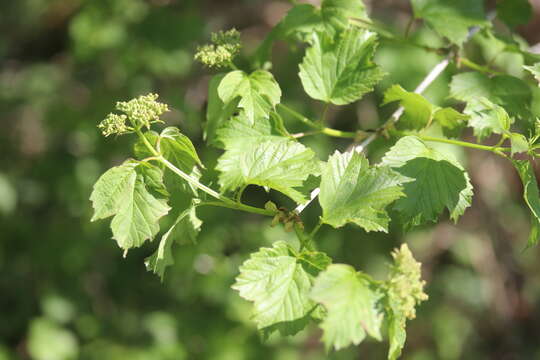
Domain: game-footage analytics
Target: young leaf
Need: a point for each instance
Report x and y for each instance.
(259, 92)
(514, 12)
(217, 112)
(336, 13)
(340, 71)
(185, 229)
(417, 113)
(439, 182)
(396, 335)
(122, 192)
(177, 148)
(254, 155)
(351, 304)
(531, 195)
(277, 282)
(352, 191)
(487, 118)
(511, 93)
(518, 143)
(535, 70)
(451, 121)
(451, 18)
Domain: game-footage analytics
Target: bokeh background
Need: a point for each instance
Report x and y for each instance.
(67, 293)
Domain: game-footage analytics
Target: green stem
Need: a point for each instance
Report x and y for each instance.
(299, 116)
(225, 201)
(409, 26)
(305, 242)
(240, 193)
(474, 66)
(494, 149)
(320, 128)
(316, 229)
(238, 206)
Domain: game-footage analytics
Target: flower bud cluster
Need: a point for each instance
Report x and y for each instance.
(114, 124)
(223, 49)
(141, 112)
(405, 283)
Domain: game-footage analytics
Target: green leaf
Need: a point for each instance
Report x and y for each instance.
(351, 304)
(254, 155)
(185, 229)
(340, 71)
(139, 148)
(519, 143)
(396, 335)
(511, 93)
(535, 70)
(259, 92)
(336, 13)
(514, 12)
(122, 192)
(487, 118)
(439, 182)
(217, 112)
(178, 149)
(417, 113)
(531, 196)
(352, 191)
(451, 18)
(278, 283)
(451, 121)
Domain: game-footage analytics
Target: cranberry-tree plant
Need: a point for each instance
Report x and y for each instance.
(291, 285)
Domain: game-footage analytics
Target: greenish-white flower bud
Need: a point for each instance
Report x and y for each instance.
(223, 49)
(405, 284)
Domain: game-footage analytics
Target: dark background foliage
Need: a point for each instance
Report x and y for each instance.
(66, 292)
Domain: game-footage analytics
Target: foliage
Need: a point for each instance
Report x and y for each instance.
(291, 285)
(235, 213)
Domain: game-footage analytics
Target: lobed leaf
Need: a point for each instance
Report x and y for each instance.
(255, 155)
(185, 229)
(487, 118)
(352, 191)
(259, 92)
(439, 182)
(278, 281)
(341, 70)
(351, 304)
(451, 18)
(513, 94)
(122, 192)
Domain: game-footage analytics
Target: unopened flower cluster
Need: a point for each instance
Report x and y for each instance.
(405, 283)
(141, 112)
(223, 49)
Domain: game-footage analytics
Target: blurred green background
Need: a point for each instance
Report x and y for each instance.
(67, 293)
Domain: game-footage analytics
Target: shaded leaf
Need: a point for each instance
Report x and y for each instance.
(451, 18)
(439, 182)
(531, 196)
